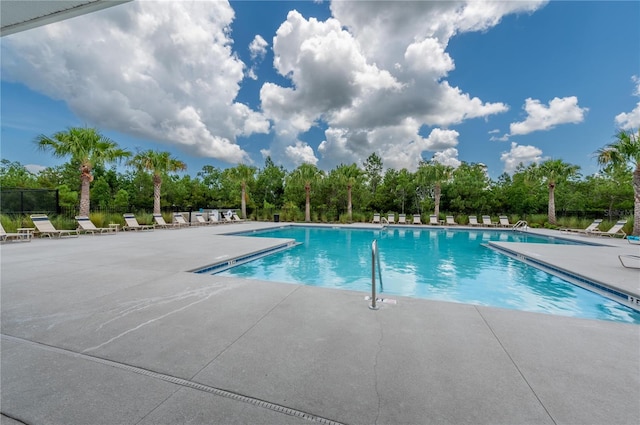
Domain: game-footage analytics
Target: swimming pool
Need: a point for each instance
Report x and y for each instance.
(437, 264)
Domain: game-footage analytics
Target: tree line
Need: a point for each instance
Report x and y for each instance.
(348, 192)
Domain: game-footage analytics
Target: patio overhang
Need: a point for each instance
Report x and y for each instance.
(21, 15)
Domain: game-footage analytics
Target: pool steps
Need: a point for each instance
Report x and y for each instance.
(232, 262)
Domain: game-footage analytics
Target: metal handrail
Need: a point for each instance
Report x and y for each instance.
(520, 223)
(375, 258)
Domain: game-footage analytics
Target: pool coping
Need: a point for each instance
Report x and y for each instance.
(627, 298)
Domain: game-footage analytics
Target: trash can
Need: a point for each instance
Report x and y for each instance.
(276, 218)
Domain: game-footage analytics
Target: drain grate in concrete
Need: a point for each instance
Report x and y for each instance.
(182, 382)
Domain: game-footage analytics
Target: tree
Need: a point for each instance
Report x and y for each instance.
(373, 172)
(434, 173)
(121, 200)
(14, 175)
(517, 193)
(404, 187)
(610, 189)
(470, 190)
(305, 175)
(348, 175)
(242, 174)
(270, 182)
(86, 147)
(101, 193)
(212, 181)
(553, 172)
(159, 164)
(625, 150)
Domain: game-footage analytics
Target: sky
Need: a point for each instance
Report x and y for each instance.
(221, 83)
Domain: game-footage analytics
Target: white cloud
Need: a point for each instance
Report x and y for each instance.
(448, 157)
(301, 153)
(631, 120)
(258, 47)
(265, 153)
(428, 56)
(34, 168)
(540, 117)
(163, 71)
(441, 139)
(386, 29)
(400, 146)
(503, 138)
(375, 74)
(524, 154)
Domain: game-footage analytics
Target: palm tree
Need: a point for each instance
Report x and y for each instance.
(625, 150)
(86, 147)
(553, 172)
(349, 174)
(434, 173)
(306, 174)
(244, 174)
(160, 164)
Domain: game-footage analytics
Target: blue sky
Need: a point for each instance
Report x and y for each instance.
(219, 83)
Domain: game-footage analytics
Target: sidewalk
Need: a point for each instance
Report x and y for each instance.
(116, 330)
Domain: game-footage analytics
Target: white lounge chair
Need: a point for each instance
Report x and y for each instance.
(85, 225)
(391, 218)
(433, 219)
(160, 222)
(234, 217)
(132, 223)
(179, 220)
(417, 219)
(200, 221)
(23, 236)
(45, 228)
(226, 217)
(376, 218)
(504, 221)
(590, 228)
(402, 219)
(616, 230)
(451, 221)
(486, 221)
(473, 220)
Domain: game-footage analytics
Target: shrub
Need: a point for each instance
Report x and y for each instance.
(98, 219)
(359, 217)
(10, 224)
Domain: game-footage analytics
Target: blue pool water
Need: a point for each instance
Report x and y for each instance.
(437, 264)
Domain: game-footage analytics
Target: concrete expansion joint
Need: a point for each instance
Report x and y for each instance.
(515, 365)
(257, 322)
(180, 381)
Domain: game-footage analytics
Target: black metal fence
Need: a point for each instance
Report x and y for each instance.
(29, 201)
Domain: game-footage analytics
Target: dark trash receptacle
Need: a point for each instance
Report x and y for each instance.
(276, 218)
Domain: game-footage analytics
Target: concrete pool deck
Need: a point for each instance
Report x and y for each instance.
(116, 330)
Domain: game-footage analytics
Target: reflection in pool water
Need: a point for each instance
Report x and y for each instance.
(437, 264)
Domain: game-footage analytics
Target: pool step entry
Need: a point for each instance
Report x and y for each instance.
(221, 266)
